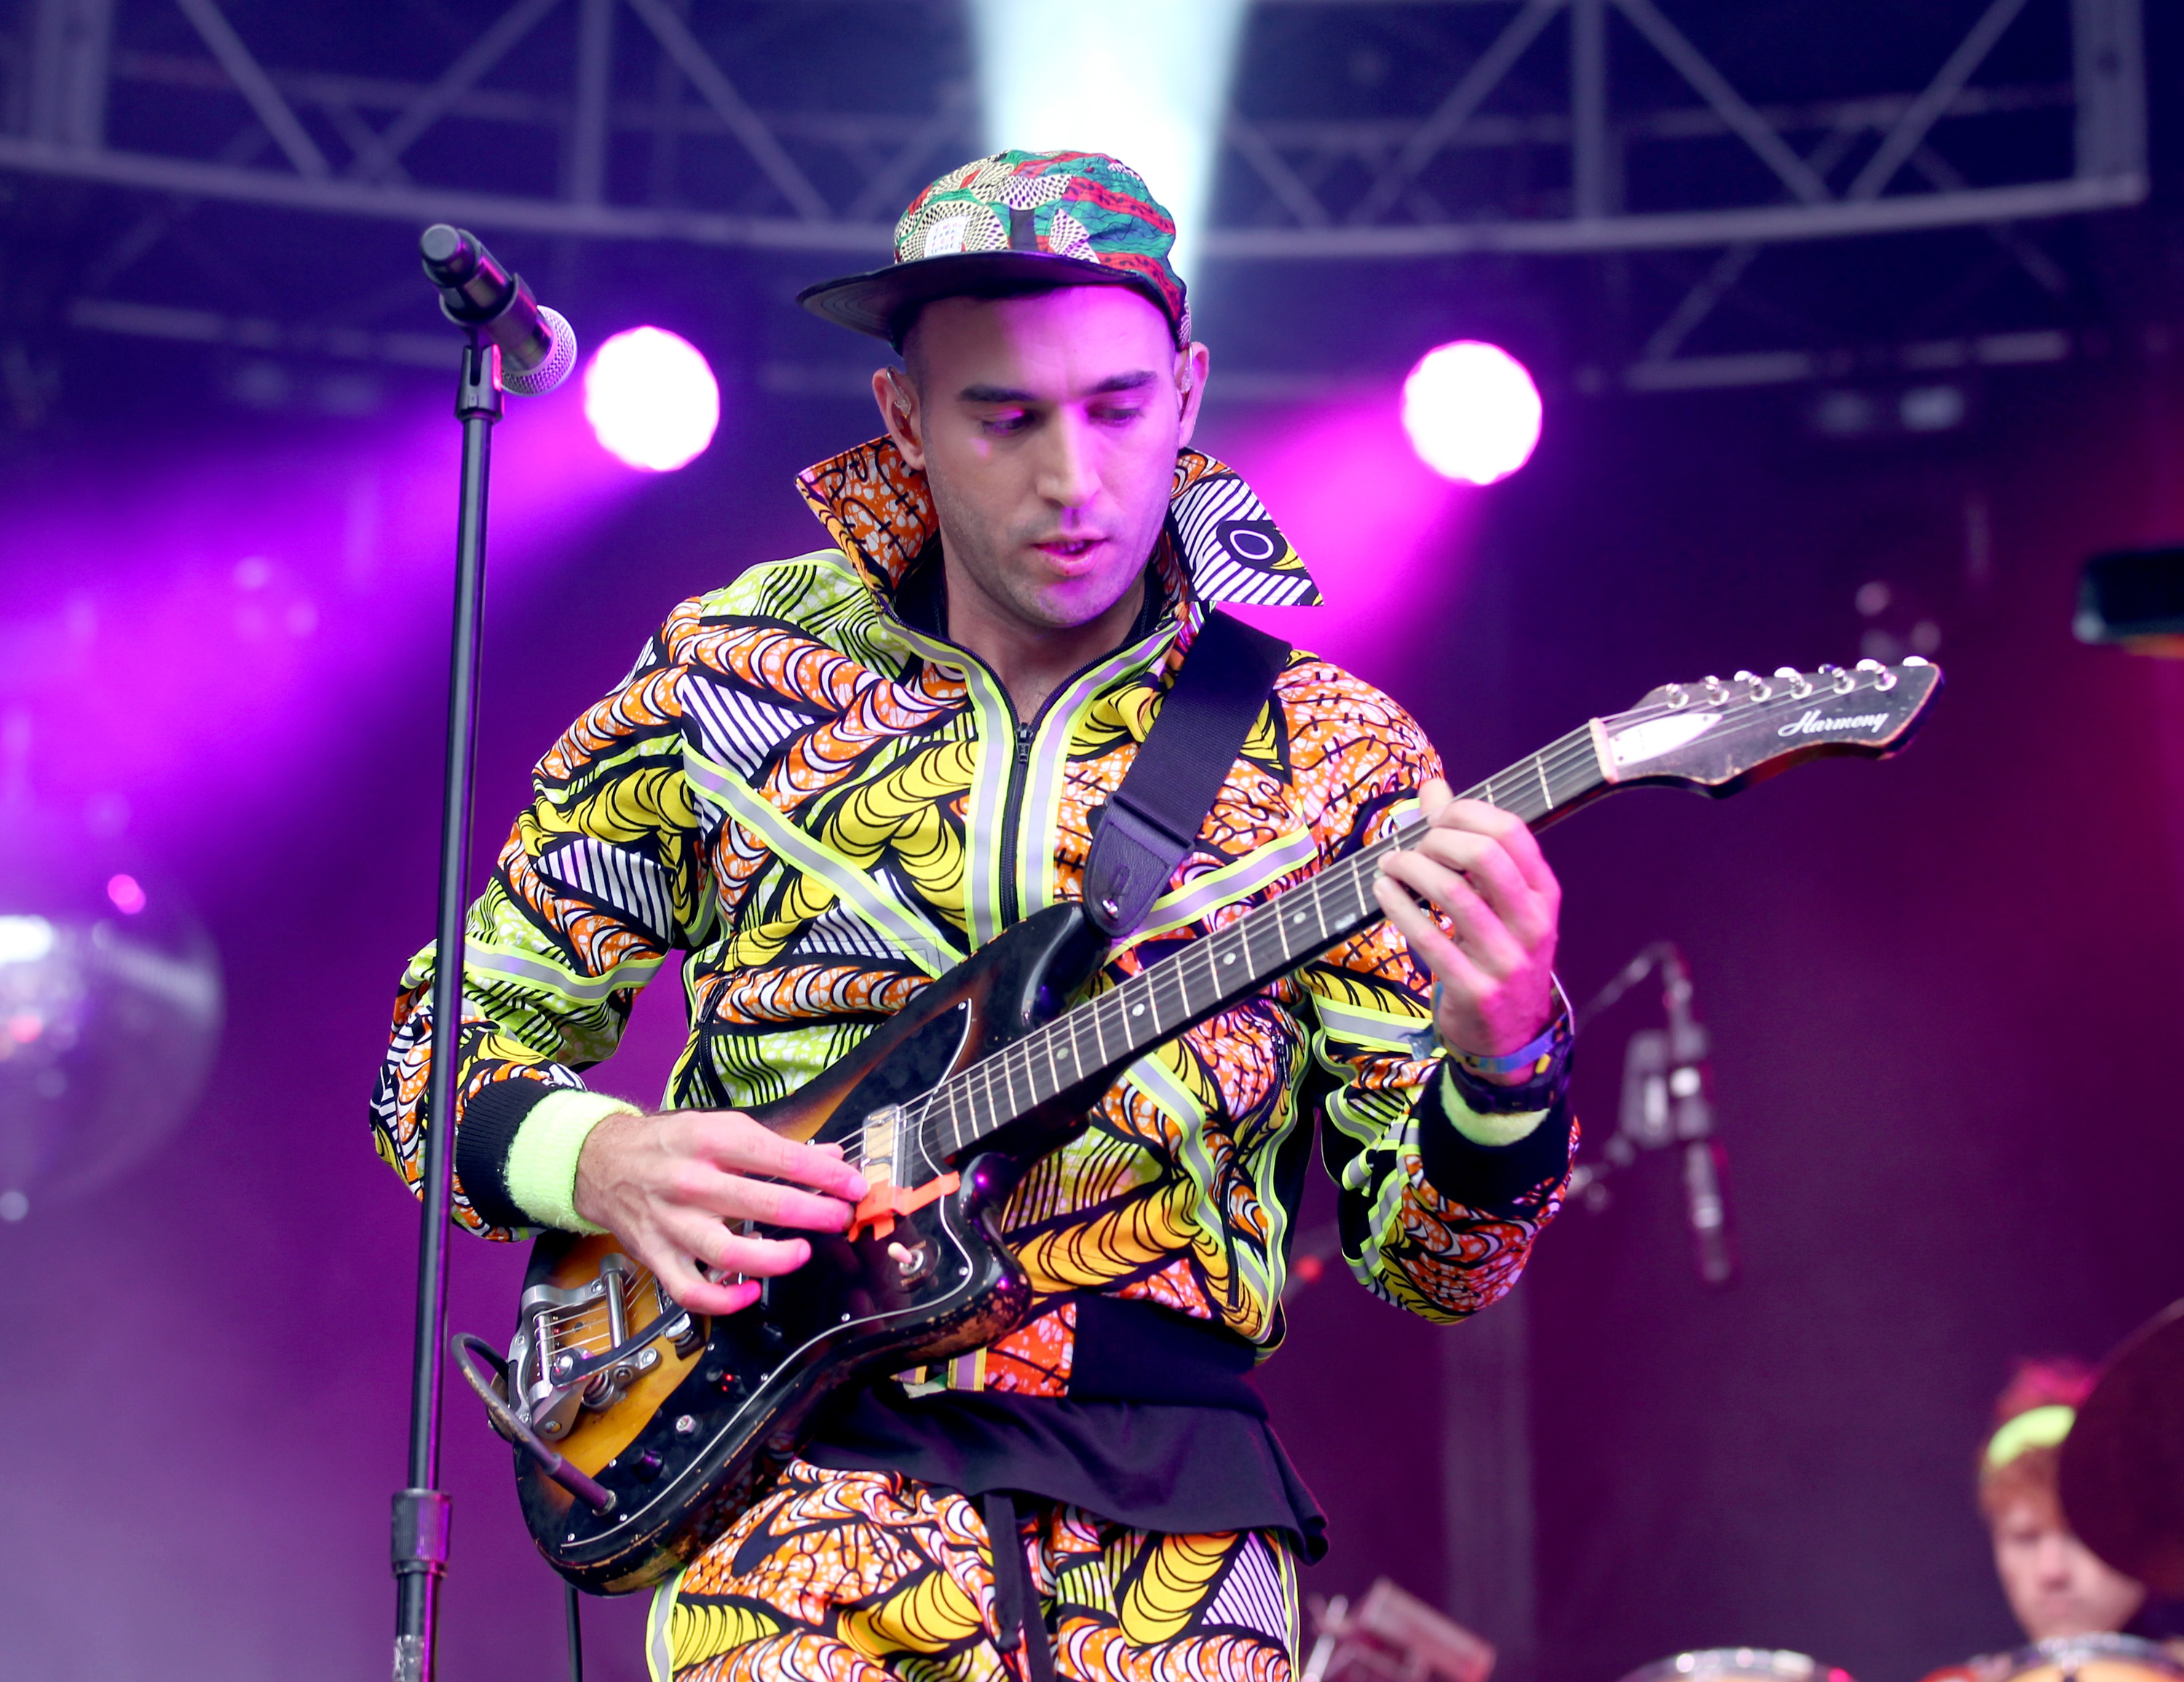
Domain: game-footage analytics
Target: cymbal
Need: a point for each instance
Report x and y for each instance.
(2123, 1462)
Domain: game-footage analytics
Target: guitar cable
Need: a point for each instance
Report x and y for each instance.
(494, 1393)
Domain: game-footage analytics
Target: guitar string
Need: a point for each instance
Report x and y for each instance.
(998, 1072)
(563, 1313)
(996, 1075)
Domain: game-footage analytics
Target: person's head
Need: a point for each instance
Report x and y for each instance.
(2056, 1586)
(1049, 375)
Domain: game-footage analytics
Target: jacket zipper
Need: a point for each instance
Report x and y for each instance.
(1012, 817)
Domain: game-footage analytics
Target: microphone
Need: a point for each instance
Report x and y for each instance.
(1705, 1205)
(537, 348)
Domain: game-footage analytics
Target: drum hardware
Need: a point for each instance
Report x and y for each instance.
(1391, 1636)
(1739, 1664)
(2094, 1658)
(2122, 1475)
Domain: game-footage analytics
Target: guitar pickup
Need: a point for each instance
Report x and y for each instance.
(883, 1204)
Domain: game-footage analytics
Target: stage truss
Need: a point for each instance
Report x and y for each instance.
(1532, 130)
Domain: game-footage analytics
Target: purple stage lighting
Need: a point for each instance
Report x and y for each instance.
(651, 399)
(1472, 411)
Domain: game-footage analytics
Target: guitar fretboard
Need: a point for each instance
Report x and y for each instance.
(1101, 1035)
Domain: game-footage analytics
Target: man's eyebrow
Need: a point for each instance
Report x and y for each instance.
(1134, 380)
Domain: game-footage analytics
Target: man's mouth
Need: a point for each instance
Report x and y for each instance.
(1067, 548)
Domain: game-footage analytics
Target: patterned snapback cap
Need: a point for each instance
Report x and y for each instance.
(1010, 223)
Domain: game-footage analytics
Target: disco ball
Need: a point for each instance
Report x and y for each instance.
(110, 1007)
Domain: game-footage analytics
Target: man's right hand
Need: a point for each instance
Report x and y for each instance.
(669, 1186)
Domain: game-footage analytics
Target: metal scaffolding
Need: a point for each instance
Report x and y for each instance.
(629, 127)
(341, 139)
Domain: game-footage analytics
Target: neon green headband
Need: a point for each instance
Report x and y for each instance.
(2035, 1428)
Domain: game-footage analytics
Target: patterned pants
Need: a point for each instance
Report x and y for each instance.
(858, 1576)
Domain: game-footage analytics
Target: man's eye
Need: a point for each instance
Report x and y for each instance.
(1117, 414)
(1014, 421)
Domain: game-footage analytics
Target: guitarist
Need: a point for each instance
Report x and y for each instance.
(840, 774)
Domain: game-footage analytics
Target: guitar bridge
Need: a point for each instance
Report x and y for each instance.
(579, 1349)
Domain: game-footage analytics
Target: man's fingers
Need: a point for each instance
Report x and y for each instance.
(764, 1258)
(741, 1145)
(1442, 954)
(734, 1198)
(725, 1250)
(1516, 837)
(1482, 936)
(691, 1289)
(1488, 870)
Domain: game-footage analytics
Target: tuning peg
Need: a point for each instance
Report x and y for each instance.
(1717, 691)
(1916, 659)
(1800, 685)
(1677, 696)
(1883, 678)
(1761, 689)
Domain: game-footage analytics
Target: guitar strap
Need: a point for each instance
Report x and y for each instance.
(1150, 823)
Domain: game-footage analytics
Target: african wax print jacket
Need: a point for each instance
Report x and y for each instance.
(826, 807)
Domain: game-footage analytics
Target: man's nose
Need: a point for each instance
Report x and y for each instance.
(1067, 476)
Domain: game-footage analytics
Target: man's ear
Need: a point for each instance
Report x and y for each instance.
(1192, 364)
(898, 400)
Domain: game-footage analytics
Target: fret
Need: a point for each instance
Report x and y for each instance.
(1025, 1071)
(1077, 1071)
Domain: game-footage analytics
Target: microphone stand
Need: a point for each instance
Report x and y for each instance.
(420, 1510)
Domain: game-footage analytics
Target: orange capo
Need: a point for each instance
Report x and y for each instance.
(881, 1204)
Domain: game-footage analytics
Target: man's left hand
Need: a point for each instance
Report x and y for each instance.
(1483, 870)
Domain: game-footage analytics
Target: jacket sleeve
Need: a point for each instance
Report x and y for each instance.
(1443, 1181)
(600, 878)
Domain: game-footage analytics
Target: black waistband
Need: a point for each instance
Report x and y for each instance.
(1136, 1351)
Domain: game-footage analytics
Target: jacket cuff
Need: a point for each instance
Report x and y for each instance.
(1497, 1160)
(489, 1119)
(542, 1158)
(1492, 1127)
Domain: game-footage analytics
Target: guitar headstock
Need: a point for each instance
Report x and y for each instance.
(1718, 737)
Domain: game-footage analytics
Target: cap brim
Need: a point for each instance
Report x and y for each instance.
(880, 302)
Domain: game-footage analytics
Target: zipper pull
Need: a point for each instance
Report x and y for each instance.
(1023, 745)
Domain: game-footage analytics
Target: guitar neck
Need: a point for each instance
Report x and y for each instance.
(1102, 1035)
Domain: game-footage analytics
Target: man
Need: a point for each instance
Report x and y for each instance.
(2057, 1587)
(843, 773)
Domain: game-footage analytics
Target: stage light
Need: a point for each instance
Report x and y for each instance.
(651, 399)
(1472, 411)
(1143, 80)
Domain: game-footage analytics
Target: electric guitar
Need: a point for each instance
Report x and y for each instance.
(642, 1431)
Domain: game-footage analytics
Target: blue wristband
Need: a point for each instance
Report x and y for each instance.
(1531, 1057)
(1534, 1057)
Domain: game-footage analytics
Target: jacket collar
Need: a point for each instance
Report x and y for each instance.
(1221, 544)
